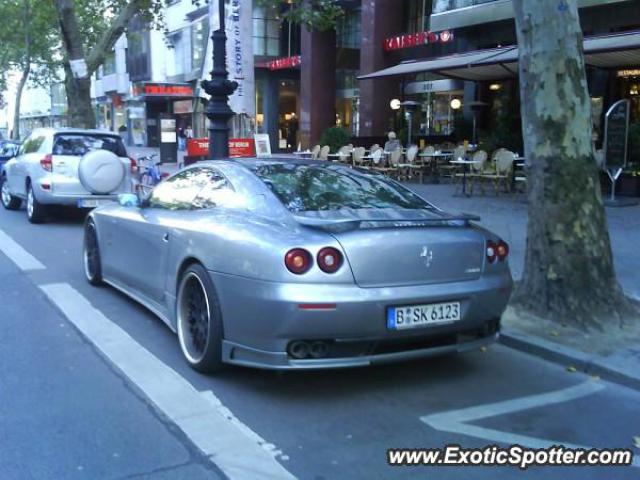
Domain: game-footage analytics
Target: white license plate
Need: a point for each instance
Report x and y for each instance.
(92, 203)
(416, 316)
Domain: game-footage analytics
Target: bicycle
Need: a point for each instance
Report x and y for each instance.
(149, 171)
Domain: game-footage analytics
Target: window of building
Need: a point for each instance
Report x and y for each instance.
(348, 30)
(138, 51)
(109, 65)
(266, 32)
(199, 39)
(417, 13)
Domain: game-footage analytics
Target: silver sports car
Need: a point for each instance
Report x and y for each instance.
(290, 264)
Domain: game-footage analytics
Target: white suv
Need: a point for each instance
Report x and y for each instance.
(57, 166)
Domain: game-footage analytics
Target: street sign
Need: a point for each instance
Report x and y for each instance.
(616, 132)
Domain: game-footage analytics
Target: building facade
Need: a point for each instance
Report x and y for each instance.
(307, 81)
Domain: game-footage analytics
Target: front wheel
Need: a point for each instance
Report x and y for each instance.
(9, 202)
(36, 212)
(199, 320)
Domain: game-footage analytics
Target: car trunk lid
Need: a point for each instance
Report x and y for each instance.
(405, 248)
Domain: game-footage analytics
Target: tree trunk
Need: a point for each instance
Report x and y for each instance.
(80, 110)
(77, 79)
(568, 274)
(16, 112)
(26, 70)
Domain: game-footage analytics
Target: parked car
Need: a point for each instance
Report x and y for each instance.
(8, 150)
(293, 264)
(82, 168)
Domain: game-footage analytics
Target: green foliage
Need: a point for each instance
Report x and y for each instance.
(321, 15)
(335, 137)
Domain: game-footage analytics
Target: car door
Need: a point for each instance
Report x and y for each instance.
(27, 163)
(145, 234)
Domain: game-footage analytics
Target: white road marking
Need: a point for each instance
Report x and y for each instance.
(455, 421)
(18, 255)
(232, 446)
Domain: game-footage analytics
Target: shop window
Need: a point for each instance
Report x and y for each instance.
(109, 65)
(348, 30)
(199, 39)
(417, 13)
(266, 32)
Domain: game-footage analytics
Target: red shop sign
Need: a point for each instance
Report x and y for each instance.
(238, 147)
(241, 148)
(415, 39)
(287, 62)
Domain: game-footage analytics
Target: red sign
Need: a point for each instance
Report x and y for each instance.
(238, 147)
(416, 39)
(287, 62)
(241, 148)
(163, 90)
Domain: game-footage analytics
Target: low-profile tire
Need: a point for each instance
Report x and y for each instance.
(199, 320)
(36, 212)
(91, 255)
(9, 202)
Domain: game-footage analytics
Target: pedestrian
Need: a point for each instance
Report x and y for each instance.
(182, 140)
(393, 143)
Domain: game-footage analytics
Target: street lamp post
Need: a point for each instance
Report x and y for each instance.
(219, 88)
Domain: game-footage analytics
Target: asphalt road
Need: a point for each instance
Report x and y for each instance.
(68, 410)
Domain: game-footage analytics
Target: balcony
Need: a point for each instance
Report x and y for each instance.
(452, 14)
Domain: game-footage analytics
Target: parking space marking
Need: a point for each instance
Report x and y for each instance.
(18, 255)
(202, 417)
(456, 421)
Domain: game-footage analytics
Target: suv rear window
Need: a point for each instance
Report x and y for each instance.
(79, 144)
(303, 187)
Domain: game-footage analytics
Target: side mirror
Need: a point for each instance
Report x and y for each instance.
(128, 200)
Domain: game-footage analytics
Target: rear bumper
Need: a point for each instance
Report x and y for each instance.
(261, 319)
(52, 197)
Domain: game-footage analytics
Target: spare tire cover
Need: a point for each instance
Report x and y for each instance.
(101, 171)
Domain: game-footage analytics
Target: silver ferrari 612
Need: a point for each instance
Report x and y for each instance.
(293, 264)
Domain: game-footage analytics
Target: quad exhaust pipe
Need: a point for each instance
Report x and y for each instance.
(301, 349)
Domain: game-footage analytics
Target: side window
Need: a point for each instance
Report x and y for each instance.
(218, 192)
(32, 144)
(180, 191)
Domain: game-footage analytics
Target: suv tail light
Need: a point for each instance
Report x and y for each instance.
(298, 261)
(499, 251)
(491, 251)
(47, 163)
(329, 260)
(502, 249)
(134, 164)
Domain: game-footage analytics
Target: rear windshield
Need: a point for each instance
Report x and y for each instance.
(305, 187)
(80, 144)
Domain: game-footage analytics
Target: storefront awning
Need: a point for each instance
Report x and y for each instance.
(607, 51)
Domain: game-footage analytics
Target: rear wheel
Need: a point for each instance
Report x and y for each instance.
(36, 212)
(8, 201)
(199, 320)
(91, 255)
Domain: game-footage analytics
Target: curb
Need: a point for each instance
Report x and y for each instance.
(587, 363)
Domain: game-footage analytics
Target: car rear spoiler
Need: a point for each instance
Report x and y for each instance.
(346, 224)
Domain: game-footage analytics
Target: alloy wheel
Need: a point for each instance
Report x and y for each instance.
(90, 253)
(6, 197)
(30, 202)
(194, 317)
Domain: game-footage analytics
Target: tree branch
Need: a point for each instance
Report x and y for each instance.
(96, 57)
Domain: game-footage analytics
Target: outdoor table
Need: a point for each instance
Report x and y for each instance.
(465, 164)
(436, 156)
(303, 154)
(336, 156)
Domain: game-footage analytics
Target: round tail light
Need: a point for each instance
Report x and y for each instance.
(502, 250)
(298, 261)
(329, 260)
(491, 251)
